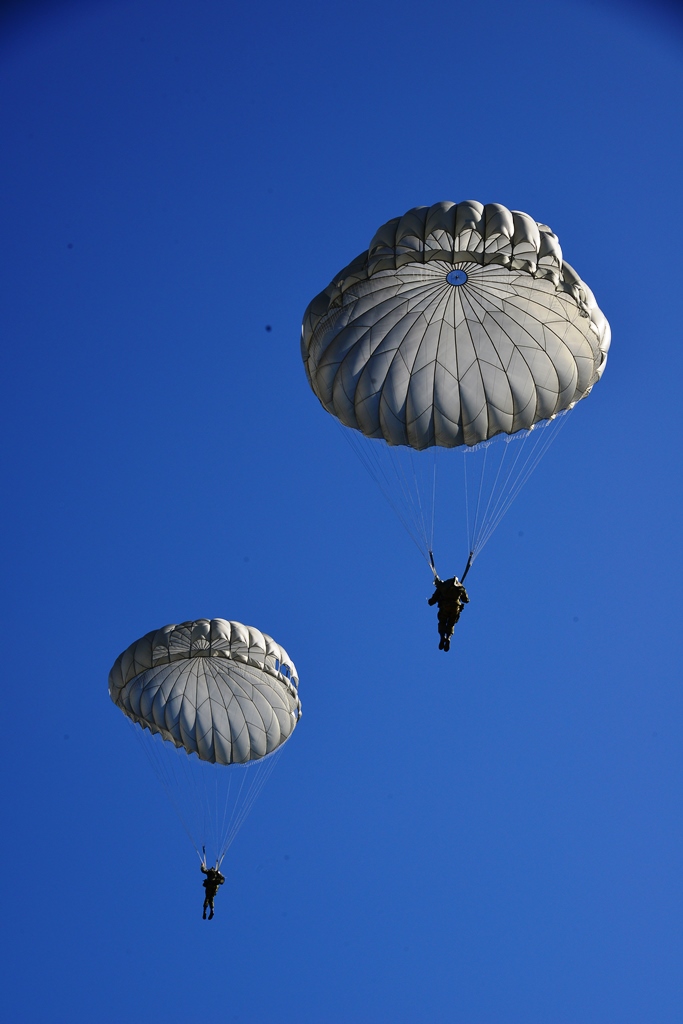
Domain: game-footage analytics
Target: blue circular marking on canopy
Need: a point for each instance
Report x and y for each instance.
(456, 277)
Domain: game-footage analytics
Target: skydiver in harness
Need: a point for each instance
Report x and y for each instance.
(211, 883)
(451, 597)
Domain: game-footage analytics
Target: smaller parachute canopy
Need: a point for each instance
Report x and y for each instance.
(219, 689)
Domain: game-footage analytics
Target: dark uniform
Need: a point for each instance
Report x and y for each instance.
(213, 879)
(451, 597)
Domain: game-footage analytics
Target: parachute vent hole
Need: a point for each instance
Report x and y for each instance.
(456, 277)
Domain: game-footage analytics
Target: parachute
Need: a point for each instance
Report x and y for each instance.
(461, 322)
(214, 698)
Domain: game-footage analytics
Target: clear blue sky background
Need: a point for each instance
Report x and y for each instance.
(491, 837)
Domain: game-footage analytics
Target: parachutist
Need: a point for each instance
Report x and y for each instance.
(451, 597)
(211, 883)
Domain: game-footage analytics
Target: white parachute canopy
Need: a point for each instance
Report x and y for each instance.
(460, 322)
(216, 700)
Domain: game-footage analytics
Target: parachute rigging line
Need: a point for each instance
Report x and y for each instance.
(261, 772)
(161, 771)
(201, 793)
(385, 465)
(533, 444)
(494, 474)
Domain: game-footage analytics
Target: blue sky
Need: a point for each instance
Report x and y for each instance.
(490, 837)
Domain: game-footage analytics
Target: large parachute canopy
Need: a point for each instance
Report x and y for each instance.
(460, 322)
(220, 697)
